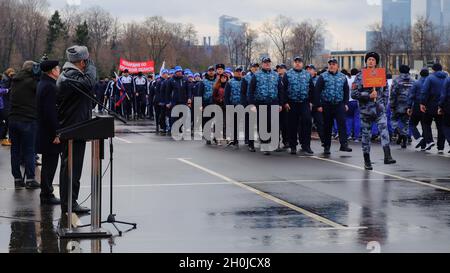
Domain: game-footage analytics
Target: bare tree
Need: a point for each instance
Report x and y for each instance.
(99, 23)
(427, 39)
(405, 43)
(279, 32)
(385, 42)
(307, 39)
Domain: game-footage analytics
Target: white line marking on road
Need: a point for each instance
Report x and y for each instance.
(266, 196)
(383, 173)
(124, 140)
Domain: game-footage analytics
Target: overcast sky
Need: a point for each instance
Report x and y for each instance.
(346, 20)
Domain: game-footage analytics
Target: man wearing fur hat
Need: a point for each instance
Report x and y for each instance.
(79, 74)
(373, 104)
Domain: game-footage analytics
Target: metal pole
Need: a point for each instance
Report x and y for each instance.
(69, 192)
(96, 184)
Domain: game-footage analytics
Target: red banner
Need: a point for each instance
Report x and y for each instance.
(136, 67)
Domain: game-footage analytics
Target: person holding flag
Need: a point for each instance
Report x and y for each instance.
(127, 84)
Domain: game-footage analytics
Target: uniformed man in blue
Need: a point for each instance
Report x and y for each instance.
(264, 91)
(373, 104)
(416, 116)
(399, 104)
(298, 92)
(205, 90)
(233, 94)
(316, 116)
(128, 104)
(254, 67)
(282, 70)
(140, 86)
(333, 94)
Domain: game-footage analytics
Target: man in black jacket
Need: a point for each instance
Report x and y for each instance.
(75, 86)
(48, 142)
(23, 125)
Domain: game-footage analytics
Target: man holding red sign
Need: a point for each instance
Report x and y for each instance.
(370, 89)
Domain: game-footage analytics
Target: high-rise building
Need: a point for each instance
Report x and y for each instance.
(371, 37)
(434, 12)
(229, 26)
(396, 13)
(446, 13)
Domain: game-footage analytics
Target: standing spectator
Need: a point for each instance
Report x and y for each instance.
(74, 107)
(353, 115)
(23, 126)
(48, 142)
(4, 112)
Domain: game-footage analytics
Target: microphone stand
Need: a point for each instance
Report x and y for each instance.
(112, 217)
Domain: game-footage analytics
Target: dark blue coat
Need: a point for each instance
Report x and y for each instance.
(414, 97)
(47, 116)
(432, 90)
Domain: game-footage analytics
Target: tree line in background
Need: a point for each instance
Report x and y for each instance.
(423, 42)
(29, 31)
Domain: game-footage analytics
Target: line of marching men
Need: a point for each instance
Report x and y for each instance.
(305, 97)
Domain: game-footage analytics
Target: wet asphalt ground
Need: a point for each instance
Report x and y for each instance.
(188, 197)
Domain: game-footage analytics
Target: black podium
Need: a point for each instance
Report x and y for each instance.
(96, 131)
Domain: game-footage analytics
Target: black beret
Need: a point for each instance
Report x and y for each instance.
(333, 60)
(373, 55)
(47, 66)
(404, 69)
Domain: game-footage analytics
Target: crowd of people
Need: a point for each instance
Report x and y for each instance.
(332, 102)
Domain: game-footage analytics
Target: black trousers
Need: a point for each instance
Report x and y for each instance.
(79, 148)
(158, 113)
(300, 124)
(49, 166)
(251, 143)
(428, 133)
(318, 122)
(284, 127)
(330, 113)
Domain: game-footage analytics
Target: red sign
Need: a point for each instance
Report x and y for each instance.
(136, 67)
(374, 77)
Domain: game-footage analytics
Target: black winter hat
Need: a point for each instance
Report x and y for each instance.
(220, 66)
(437, 67)
(374, 55)
(47, 66)
(424, 72)
(404, 69)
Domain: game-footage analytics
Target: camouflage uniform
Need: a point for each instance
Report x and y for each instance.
(399, 103)
(371, 111)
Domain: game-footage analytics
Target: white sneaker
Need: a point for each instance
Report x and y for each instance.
(440, 152)
(430, 146)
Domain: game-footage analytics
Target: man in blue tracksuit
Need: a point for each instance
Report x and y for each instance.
(112, 94)
(128, 104)
(444, 109)
(160, 103)
(298, 94)
(282, 70)
(264, 91)
(205, 90)
(416, 116)
(140, 88)
(179, 91)
(332, 98)
(233, 93)
(431, 93)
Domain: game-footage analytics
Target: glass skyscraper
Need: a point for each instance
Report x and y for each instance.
(396, 13)
(434, 12)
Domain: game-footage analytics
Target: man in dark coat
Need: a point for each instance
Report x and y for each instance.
(75, 86)
(23, 125)
(48, 142)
